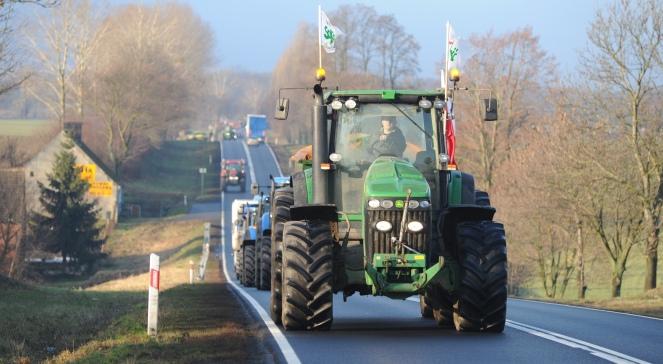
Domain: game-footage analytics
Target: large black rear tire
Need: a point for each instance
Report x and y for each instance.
(482, 294)
(256, 264)
(248, 270)
(283, 199)
(307, 299)
(265, 263)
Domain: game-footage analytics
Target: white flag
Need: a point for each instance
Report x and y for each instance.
(328, 33)
(452, 47)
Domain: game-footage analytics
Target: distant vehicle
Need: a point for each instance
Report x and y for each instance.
(256, 125)
(199, 135)
(232, 173)
(229, 133)
(238, 232)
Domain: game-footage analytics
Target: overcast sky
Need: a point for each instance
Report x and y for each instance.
(251, 35)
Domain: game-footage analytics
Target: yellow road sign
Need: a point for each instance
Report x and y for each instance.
(101, 189)
(88, 172)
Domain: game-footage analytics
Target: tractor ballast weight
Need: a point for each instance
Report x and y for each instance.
(403, 222)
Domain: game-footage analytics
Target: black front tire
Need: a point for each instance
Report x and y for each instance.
(307, 299)
(248, 270)
(265, 263)
(424, 307)
(482, 295)
(256, 264)
(281, 202)
(239, 263)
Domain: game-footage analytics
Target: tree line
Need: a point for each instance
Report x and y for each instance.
(575, 163)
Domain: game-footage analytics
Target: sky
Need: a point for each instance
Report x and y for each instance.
(251, 35)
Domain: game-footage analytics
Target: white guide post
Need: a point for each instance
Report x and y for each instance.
(153, 296)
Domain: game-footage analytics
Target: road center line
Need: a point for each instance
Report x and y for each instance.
(596, 350)
(283, 344)
(276, 161)
(252, 172)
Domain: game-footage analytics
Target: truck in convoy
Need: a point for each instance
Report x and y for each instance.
(255, 129)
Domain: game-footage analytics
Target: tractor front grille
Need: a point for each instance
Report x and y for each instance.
(379, 242)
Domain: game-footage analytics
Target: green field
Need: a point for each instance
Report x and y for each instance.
(597, 273)
(169, 173)
(23, 127)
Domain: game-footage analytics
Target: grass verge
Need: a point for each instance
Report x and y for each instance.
(197, 323)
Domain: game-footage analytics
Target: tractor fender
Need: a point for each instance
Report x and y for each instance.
(250, 233)
(453, 215)
(247, 243)
(461, 188)
(325, 212)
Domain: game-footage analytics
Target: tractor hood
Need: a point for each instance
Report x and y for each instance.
(392, 177)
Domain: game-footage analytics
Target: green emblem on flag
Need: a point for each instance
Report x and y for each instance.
(453, 52)
(329, 35)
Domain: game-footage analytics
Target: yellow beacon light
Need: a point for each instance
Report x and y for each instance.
(320, 74)
(454, 74)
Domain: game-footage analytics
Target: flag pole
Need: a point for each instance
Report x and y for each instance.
(446, 89)
(446, 62)
(319, 37)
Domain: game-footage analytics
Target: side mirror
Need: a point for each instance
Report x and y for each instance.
(490, 110)
(254, 189)
(282, 109)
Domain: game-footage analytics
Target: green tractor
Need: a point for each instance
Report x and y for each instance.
(377, 209)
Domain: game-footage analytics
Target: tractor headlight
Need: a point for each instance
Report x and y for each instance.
(424, 204)
(336, 104)
(387, 204)
(374, 204)
(415, 226)
(413, 204)
(425, 104)
(384, 226)
(350, 104)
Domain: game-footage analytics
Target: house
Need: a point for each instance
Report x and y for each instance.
(103, 188)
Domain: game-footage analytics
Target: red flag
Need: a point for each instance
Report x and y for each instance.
(451, 140)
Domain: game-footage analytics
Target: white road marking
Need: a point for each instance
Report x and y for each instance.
(252, 172)
(596, 350)
(276, 161)
(283, 344)
(599, 351)
(588, 308)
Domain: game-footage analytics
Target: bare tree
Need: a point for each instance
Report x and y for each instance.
(12, 219)
(148, 76)
(398, 52)
(52, 47)
(8, 53)
(514, 69)
(623, 62)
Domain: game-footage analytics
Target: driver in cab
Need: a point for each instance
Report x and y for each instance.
(391, 140)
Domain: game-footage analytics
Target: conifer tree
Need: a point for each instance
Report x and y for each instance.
(68, 224)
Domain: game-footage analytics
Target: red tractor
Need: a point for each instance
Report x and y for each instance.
(232, 173)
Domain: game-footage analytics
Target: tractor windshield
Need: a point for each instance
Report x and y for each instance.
(373, 130)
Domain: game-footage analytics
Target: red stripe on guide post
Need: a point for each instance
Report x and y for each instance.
(154, 278)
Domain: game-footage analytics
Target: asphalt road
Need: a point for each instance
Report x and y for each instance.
(378, 330)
